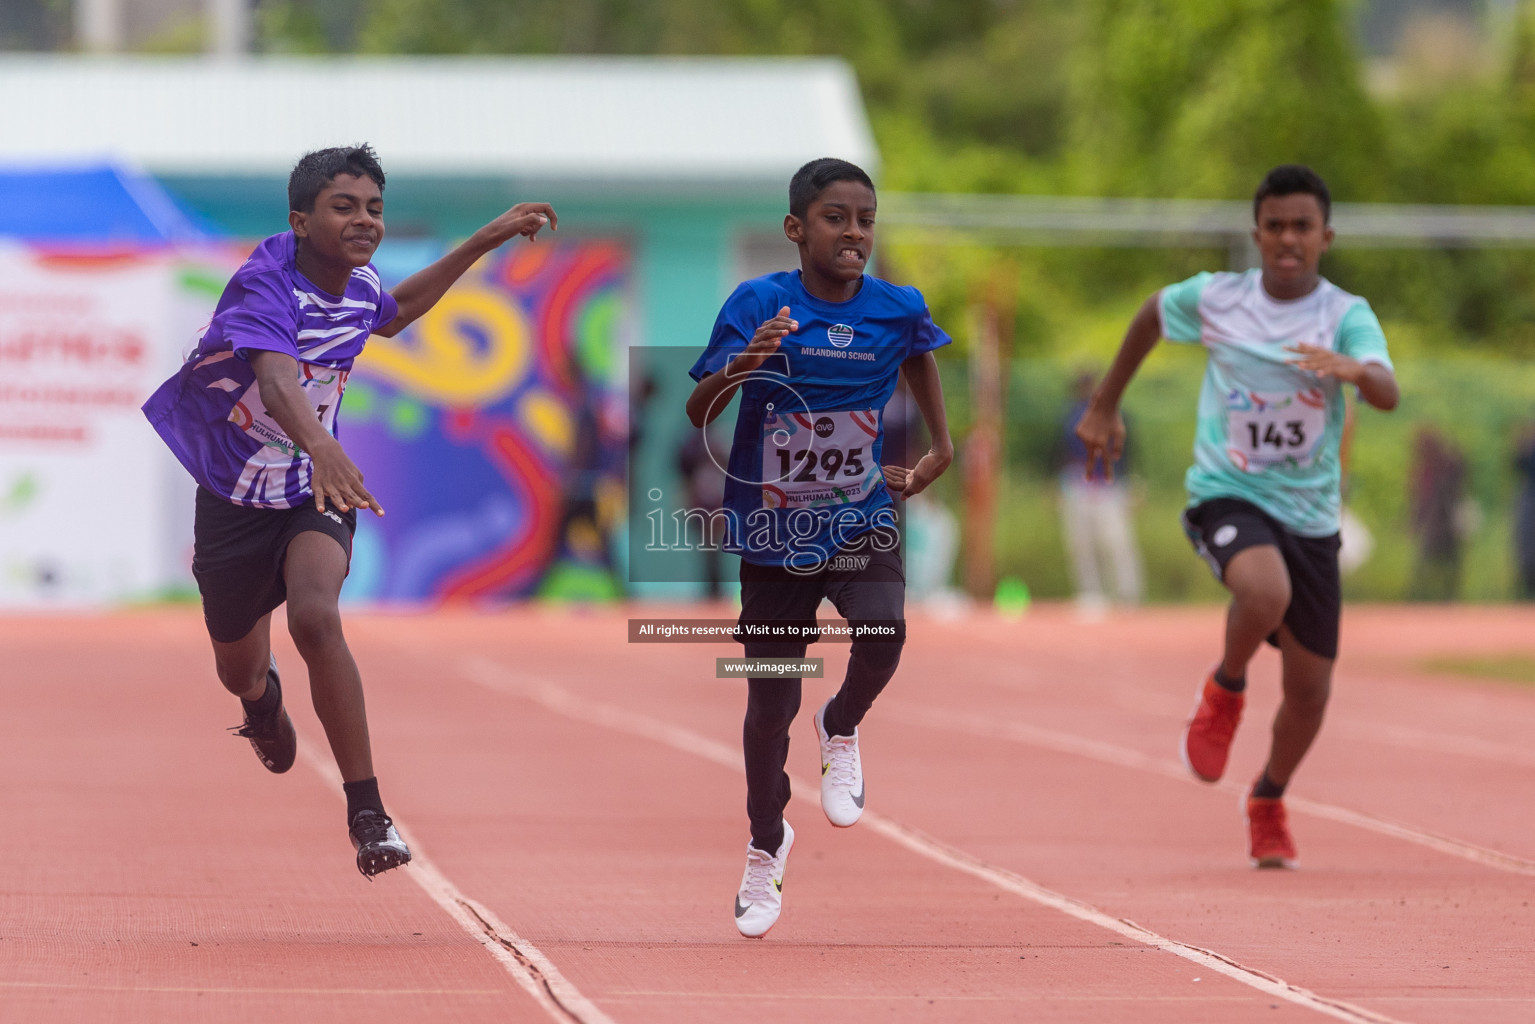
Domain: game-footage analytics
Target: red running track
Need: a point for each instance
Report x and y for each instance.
(1033, 849)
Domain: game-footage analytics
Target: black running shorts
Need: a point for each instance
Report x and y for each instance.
(865, 581)
(238, 553)
(1222, 527)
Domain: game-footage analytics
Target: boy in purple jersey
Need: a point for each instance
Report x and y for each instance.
(252, 416)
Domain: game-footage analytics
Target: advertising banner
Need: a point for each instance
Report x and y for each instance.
(93, 508)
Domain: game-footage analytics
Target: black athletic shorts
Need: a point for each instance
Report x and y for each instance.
(1221, 527)
(238, 553)
(865, 580)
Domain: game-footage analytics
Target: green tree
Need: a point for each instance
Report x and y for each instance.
(1186, 97)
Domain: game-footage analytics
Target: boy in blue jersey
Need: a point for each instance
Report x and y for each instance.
(252, 416)
(1264, 491)
(816, 354)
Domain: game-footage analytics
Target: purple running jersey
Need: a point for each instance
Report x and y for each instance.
(211, 414)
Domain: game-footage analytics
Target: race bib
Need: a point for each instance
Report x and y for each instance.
(819, 458)
(1283, 428)
(321, 385)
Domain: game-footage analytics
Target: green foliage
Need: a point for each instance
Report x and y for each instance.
(1172, 97)
(1126, 98)
(1514, 668)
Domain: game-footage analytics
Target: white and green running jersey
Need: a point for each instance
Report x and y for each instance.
(1268, 432)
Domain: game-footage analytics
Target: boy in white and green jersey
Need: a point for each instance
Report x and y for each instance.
(1264, 490)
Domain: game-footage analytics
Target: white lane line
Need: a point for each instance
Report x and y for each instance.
(1442, 743)
(1127, 696)
(229, 990)
(498, 678)
(1124, 757)
(527, 965)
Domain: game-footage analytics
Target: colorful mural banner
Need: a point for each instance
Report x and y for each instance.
(493, 432)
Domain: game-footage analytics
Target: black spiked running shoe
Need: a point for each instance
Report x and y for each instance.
(379, 846)
(272, 736)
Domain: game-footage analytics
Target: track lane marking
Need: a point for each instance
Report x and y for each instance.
(1125, 757)
(533, 972)
(499, 679)
(1407, 738)
(233, 990)
(874, 997)
(1399, 736)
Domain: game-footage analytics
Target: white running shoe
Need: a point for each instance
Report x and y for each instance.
(841, 775)
(760, 899)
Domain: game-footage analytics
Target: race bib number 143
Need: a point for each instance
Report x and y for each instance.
(1266, 430)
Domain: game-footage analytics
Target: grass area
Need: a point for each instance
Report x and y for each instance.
(1511, 668)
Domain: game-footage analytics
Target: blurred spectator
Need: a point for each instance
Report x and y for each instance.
(929, 531)
(1355, 542)
(1438, 481)
(1524, 516)
(1095, 516)
(642, 388)
(582, 537)
(701, 459)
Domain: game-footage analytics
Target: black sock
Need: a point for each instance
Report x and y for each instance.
(362, 795)
(776, 841)
(1267, 788)
(1236, 685)
(269, 701)
(831, 722)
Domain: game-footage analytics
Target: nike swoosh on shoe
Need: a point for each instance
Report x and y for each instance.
(859, 798)
(740, 910)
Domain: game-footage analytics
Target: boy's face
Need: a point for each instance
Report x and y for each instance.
(347, 221)
(1291, 236)
(837, 232)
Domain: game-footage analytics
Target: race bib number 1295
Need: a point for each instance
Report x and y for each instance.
(819, 458)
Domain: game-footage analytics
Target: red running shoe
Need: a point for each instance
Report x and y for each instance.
(1207, 740)
(1268, 834)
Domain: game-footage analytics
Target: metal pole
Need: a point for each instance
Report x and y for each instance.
(228, 28)
(99, 25)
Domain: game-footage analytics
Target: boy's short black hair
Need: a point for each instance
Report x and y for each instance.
(316, 170)
(816, 177)
(1290, 179)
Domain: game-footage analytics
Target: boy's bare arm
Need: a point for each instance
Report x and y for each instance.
(420, 291)
(1102, 428)
(1377, 385)
(335, 476)
(713, 393)
(922, 378)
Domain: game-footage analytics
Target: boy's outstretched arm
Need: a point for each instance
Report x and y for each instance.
(1102, 428)
(1377, 385)
(922, 378)
(713, 393)
(420, 291)
(335, 476)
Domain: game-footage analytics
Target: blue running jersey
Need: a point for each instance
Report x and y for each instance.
(804, 473)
